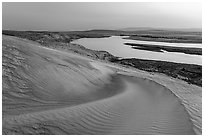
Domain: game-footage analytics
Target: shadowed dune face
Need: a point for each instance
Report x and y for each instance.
(51, 92)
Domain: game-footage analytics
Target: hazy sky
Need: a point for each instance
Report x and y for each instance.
(83, 16)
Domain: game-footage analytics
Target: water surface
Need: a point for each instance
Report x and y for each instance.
(115, 46)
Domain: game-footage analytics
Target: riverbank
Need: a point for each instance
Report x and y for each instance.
(187, 72)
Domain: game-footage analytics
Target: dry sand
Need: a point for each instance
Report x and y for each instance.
(46, 91)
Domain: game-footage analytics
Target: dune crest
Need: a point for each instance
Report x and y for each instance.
(53, 92)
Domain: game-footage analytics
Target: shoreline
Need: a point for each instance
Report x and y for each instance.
(167, 38)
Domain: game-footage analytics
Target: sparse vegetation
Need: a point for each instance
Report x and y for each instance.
(187, 72)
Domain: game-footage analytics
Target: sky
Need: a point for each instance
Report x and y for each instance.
(85, 16)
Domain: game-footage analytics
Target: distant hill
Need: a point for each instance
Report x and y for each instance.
(136, 29)
(161, 29)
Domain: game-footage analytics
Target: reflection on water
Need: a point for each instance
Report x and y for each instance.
(115, 45)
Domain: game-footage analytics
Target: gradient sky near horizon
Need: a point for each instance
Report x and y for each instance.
(85, 16)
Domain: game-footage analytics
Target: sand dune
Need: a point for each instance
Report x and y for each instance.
(53, 92)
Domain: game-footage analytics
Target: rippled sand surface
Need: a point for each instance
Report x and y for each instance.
(54, 92)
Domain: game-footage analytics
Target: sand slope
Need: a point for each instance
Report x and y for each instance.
(53, 92)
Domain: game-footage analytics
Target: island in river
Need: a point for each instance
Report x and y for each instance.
(159, 48)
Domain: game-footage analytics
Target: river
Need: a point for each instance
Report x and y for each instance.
(115, 46)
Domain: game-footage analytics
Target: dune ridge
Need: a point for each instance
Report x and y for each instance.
(53, 92)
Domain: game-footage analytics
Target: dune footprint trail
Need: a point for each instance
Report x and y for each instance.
(52, 92)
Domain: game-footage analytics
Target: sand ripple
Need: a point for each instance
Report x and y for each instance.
(52, 92)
